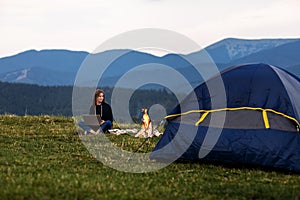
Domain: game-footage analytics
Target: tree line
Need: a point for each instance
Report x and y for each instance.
(26, 99)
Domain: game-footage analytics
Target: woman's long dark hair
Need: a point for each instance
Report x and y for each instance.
(97, 93)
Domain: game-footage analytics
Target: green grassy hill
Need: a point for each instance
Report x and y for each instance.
(43, 158)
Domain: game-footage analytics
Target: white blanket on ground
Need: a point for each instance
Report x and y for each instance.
(123, 131)
(134, 132)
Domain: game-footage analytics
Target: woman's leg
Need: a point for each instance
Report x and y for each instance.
(85, 127)
(106, 126)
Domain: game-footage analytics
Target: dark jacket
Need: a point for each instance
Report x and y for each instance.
(104, 110)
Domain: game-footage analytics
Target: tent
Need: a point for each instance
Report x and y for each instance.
(255, 121)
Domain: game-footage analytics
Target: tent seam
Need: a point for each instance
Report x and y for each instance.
(233, 109)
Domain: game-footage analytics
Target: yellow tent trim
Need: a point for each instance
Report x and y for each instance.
(266, 120)
(201, 118)
(206, 112)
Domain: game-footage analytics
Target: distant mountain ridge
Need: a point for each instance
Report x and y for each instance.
(60, 60)
(39, 76)
(284, 55)
(231, 49)
(59, 67)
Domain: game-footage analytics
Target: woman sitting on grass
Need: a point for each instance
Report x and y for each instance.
(99, 107)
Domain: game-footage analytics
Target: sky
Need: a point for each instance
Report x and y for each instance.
(82, 25)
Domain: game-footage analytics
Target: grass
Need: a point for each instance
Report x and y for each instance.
(43, 158)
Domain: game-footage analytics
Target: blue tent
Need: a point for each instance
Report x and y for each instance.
(252, 117)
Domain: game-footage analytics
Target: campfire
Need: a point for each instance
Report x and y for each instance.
(147, 129)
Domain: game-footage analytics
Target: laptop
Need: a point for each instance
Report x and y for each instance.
(92, 121)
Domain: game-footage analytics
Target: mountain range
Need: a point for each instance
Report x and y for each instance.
(59, 67)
